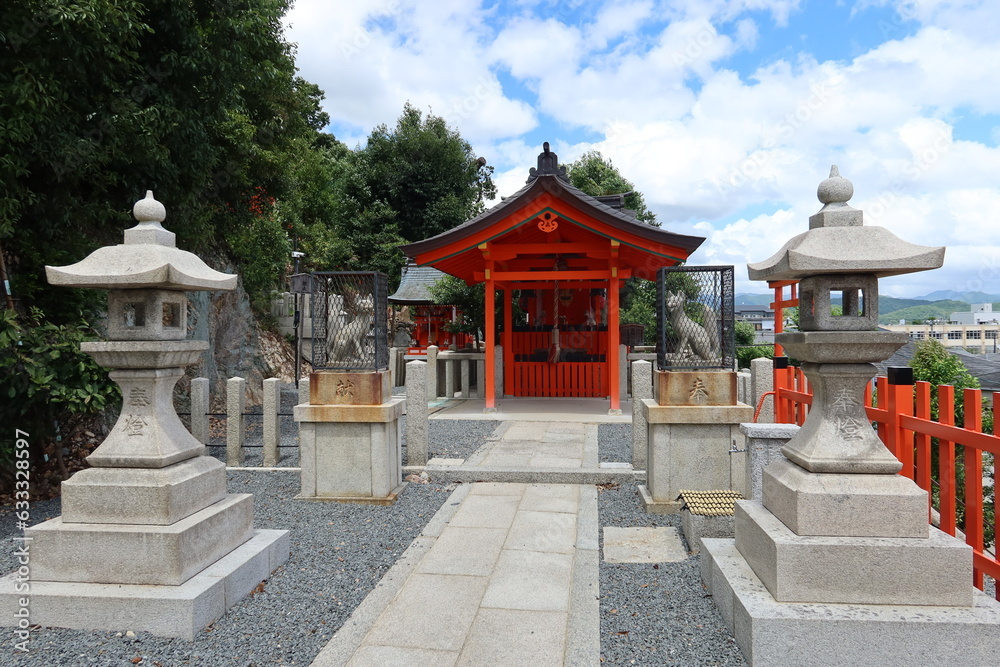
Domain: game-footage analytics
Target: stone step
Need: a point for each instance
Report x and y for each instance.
(128, 554)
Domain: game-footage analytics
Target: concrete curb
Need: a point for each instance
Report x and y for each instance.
(469, 474)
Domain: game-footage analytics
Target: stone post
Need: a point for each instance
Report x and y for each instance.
(623, 373)
(498, 387)
(416, 413)
(763, 445)
(349, 448)
(236, 404)
(199, 410)
(466, 377)
(272, 437)
(481, 377)
(432, 372)
(763, 382)
(691, 429)
(304, 390)
(642, 388)
(449, 375)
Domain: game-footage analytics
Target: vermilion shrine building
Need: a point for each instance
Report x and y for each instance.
(568, 254)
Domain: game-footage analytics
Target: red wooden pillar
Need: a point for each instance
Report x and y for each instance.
(613, 380)
(491, 338)
(508, 340)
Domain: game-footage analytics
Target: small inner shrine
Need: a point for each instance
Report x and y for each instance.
(559, 259)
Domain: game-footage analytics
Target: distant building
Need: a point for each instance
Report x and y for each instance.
(981, 338)
(761, 317)
(981, 313)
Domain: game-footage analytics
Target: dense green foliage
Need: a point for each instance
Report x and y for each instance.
(934, 364)
(200, 102)
(408, 183)
(596, 175)
(46, 378)
(471, 301)
(103, 100)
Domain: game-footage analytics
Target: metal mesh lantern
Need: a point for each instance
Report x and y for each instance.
(350, 321)
(694, 317)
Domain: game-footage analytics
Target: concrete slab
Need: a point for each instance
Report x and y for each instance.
(516, 638)
(434, 611)
(395, 656)
(436, 461)
(853, 570)
(551, 498)
(497, 489)
(643, 545)
(584, 410)
(530, 580)
(486, 512)
(550, 532)
(103, 553)
(464, 551)
(524, 475)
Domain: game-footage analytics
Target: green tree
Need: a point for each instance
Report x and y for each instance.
(596, 175)
(471, 301)
(102, 100)
(934, 364)
(410, 182)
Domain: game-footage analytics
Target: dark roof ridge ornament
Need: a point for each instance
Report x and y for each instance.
(548, 165)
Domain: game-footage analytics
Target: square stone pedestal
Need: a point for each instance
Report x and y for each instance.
(801, 634)
(688, 448)
(843, 569)
(164, 550)
(350, 453)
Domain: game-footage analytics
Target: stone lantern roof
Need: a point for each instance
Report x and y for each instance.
(149, 258)
(838, 242)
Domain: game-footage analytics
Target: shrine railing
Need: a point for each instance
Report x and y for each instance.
(936, 453)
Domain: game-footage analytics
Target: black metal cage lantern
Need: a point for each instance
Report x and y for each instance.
(694, 318)
(350, 321)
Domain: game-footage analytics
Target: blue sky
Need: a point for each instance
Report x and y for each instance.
(725, 114)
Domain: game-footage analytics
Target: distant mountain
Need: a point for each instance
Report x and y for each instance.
(967, 297)
(940, 310)
(754, 299)
(887, 304)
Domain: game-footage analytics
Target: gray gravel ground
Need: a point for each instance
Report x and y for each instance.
(338, 553)
(649, 615)
(656, 614)
(614, 443)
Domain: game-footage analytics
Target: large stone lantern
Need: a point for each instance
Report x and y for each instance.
(840, 255)
(837, 565)
(148, 538)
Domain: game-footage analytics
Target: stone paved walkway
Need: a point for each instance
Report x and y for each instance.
(504, 574)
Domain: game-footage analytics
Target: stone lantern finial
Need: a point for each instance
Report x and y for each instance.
(150, 213)
(834, 192)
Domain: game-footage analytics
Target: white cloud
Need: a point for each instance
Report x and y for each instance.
(705, 145)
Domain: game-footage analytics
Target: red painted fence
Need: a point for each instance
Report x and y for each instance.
(902, 415)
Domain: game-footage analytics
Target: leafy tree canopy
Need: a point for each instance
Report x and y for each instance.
(596, 175)
(101, 100)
